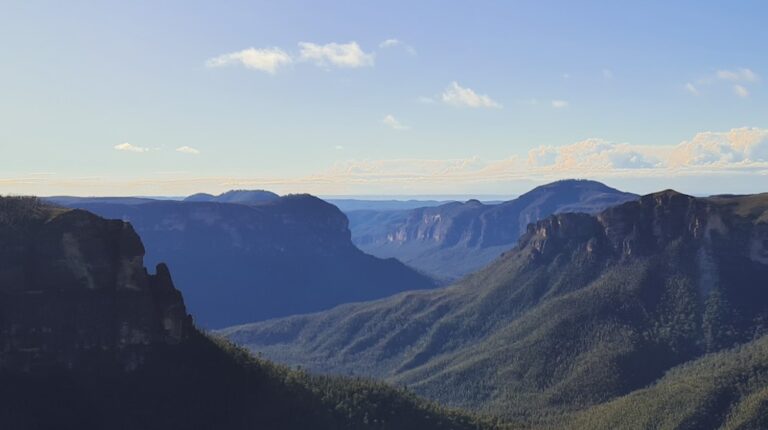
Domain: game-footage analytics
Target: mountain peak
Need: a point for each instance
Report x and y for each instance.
(574, 184)
(235, 196)
(670, 194)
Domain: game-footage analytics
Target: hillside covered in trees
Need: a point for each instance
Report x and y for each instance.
(582, 314)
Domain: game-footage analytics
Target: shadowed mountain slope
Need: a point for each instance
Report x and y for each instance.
(90, 340)
(455, 239)
(239, 263)
(584, 310)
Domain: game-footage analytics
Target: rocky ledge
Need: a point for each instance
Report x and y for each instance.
(74, 292)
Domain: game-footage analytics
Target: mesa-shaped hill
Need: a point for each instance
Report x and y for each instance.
(584, 310)
(90, 340)
(454, 239)
(238, 263)
(235, 196)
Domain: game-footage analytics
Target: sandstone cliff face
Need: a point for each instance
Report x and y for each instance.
(238, 263)
(455, 239)
(74, 291)
(735, 226)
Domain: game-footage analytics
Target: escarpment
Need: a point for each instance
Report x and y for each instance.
(74, 292)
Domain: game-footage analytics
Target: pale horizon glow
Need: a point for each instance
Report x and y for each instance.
(730, 156)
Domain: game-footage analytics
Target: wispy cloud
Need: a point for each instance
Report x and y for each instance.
(738, 79)
(127, 147)
(271, 60)
(267, 60)
(393, 43)
(347, 55)
(390, 43)
(456, 95)
(739, 152)
(559, 104)
(607, 73)
(188, 150)
(741, 91)
(392, 122)
(738, 75)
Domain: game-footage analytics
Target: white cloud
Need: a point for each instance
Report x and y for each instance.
(738, 75)
(127, 147)
(456, 95)
(691, 89)
(608, 73)
(188, 150)
(592, 154)
(347, 55)
(738, 156)
(738, 151)
(392, 43)
(338, 147)
(739, 147)
(392, 122)
(267, 60)
(741, 91)
(559, 104)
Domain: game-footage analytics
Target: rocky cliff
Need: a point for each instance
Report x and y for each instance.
(238, 263)
(74, 291)
(454, 239)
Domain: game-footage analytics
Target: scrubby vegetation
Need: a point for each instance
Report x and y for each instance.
(23, 210)
(209, 384)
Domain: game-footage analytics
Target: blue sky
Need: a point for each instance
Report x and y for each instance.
(174, 97)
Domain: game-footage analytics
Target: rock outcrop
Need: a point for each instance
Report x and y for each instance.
(74, 292)
(454, 239)
(239, 263)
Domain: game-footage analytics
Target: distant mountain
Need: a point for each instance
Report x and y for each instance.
(585, 310)
(90, 340)
(73, 201)
(235, 196)
(238, 263)
(351, 205)
(455, 239)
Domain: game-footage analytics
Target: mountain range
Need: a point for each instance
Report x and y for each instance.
(268, 257)
(89, 339)
(649, 314)
(454, 239)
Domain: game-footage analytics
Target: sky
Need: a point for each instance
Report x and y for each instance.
(389, 98)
